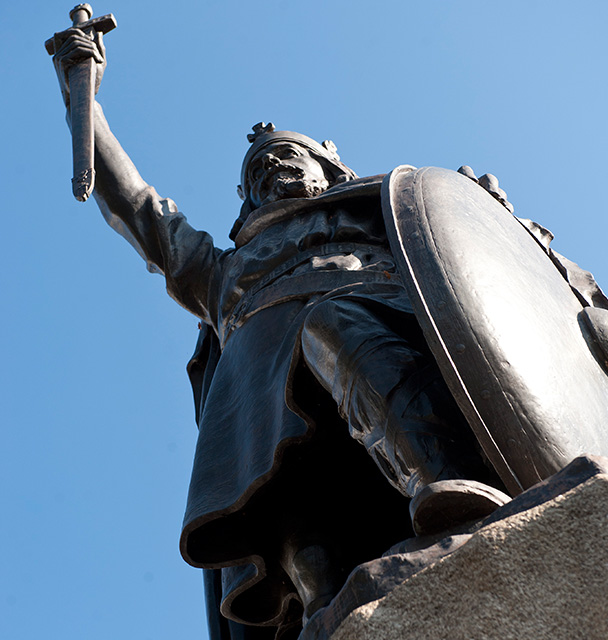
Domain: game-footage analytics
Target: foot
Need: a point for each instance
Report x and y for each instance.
(447, 504)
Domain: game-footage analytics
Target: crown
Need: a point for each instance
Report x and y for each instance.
(260, 129)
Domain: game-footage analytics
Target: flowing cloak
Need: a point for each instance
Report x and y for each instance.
(247, 377)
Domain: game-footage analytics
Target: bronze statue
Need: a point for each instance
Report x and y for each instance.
(341, 317)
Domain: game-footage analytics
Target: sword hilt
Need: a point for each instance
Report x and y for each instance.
(81, 16)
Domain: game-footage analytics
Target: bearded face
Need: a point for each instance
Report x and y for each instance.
(284, 170)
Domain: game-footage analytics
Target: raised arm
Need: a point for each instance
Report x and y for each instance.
(153, 225)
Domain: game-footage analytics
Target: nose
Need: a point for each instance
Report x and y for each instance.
(268, 161)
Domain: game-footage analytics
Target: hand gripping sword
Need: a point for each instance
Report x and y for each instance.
(81, 77)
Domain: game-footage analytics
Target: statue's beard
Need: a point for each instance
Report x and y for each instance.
(287, 185)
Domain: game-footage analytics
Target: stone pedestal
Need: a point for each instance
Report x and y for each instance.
(541, 573)
(537, 568)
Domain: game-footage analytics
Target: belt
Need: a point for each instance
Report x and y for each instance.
(269, 291)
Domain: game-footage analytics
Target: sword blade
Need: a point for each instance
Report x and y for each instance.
(82, 96)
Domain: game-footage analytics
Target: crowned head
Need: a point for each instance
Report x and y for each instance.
(285, 164)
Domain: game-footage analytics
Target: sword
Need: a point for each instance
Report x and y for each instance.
(81, 77)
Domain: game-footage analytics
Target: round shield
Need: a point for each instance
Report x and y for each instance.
(503, 324)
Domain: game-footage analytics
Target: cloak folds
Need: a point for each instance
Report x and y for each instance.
(313, 471)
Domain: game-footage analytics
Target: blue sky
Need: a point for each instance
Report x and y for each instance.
(98, 429)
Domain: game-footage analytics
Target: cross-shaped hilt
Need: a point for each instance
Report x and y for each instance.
(81, 16)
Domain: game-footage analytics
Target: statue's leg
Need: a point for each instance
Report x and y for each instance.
(313, 571)
(394, 399)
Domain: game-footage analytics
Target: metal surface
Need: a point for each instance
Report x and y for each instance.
(502, 322)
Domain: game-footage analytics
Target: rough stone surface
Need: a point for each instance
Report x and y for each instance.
(540, 574)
